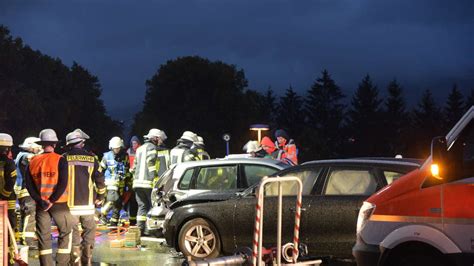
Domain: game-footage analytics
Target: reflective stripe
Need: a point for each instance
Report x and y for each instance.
(141, 218)
(101, 190)
(64, 250)
(407, 219)
(152, 168)
(13, 174)
(23, 193)
(11, 204)
(5, 193)
(29, 234)
(113, 219)
(82, 212)
(46, 252)
(151, 152)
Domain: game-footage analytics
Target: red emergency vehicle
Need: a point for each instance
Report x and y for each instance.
(427, 216)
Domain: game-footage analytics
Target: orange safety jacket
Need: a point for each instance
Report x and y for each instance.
(44, 170)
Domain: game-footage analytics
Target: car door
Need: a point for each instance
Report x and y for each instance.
(253, 173)
(244, 215)
(214, 178)
(332, 213)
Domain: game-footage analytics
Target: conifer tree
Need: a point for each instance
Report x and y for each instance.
(324, 117)
(364, 121)
(454, 108)
(396, 119)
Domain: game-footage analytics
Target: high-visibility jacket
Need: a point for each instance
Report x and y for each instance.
(47, 178)
(200, 153)
(84, 175)
(150, 162)
(21, 162)
(182, 153)
(7, 178)
(115, 167)
(288, 153)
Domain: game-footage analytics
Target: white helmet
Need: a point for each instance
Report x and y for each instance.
(84, 135)
(48, 135)
(156, 133)
(115, 142)
(6, 140)
(189, 135)
(252, 146)
(30, 143)
(74, 138)
(199, 141)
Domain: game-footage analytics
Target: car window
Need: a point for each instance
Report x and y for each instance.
(217, 178)
(254, 172)
(350, 182)
(391, 176)
(308, 178)
(186, 179)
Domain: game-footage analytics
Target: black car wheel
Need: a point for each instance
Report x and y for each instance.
(199, 239)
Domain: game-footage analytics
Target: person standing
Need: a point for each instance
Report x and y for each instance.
(46, 181)
(116, 167)
(269, 147)
(29, 148)
(182, 151)
(7, 176)
(84, 175)
(199, 149)
(151, 161)
(131, 205)
(287, 148)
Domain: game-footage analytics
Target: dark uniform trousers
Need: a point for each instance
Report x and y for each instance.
(132, 208)
(27, 222)
(143, 196)
(88, 230)
(64, 221)
(114, 202)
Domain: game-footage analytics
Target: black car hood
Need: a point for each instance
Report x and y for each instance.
(206, 197)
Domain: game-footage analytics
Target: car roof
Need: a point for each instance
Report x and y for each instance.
(262, 161)
(367, 161)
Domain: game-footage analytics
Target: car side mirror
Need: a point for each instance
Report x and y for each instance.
(439, 156)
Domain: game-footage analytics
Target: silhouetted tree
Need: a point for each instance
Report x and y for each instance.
(427, 123)
(290, 114)
(454, 108)
(324, 118)
(39, 91)
(470, 100)
(193, 93)
(396, 119)
(364, 121)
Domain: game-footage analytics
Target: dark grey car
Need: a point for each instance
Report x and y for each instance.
(332, 195)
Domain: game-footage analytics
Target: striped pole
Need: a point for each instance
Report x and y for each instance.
(258, 233)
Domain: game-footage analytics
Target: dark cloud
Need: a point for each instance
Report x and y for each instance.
(424, 44)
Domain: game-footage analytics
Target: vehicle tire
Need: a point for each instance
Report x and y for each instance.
(414, 259)
(199, 239)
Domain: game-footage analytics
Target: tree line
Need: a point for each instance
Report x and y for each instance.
(212, 98)
(38, 91)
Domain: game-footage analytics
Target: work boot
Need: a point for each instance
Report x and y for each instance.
(86, 257)
(76, 256)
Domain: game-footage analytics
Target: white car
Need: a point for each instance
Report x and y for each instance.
(191, 178)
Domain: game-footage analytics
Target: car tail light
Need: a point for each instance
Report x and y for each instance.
(364, 214)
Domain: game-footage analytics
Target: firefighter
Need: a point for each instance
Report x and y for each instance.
(152, 160)
(7, 176)
(46, 181)
(182, 151)
(287, 149)
(84, 175)
(199, 149)
(116, 167)
(27, 205)
(131, 205)
(253, 148)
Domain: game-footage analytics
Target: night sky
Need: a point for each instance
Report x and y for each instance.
(424, 44)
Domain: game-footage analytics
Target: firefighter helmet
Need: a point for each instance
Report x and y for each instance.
(156, 133)
(115, 142)
(47, 135)
(30, 143)
(6, 140)
(74, 138)
(189, 135)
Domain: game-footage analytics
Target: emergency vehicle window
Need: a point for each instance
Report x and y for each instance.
(186, 179)
(254, 173)
(350, 182)
(391, 176)
(217, 178)
(307, 176)
(461, 155)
